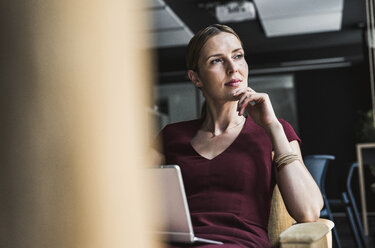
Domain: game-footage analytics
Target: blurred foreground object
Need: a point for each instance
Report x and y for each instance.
(74, 85)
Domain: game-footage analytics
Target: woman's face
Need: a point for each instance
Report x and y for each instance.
(222, 67)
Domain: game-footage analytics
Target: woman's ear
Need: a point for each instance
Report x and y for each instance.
(194, 78)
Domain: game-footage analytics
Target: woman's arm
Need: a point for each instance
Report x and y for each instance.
(300, 192)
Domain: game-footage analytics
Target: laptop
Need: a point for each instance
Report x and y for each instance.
(177, 226)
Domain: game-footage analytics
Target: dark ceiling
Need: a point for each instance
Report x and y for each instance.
(263, 52)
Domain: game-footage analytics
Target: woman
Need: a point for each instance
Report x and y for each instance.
(230, 163)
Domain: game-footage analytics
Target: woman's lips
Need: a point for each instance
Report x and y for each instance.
(233, 83)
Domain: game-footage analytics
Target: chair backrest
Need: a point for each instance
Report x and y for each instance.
(317, 166)
(279, 219)
(350, 176)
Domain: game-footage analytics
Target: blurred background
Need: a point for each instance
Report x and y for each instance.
(314, 59)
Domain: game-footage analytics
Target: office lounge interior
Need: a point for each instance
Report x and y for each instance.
(74, 85)
(312, 57)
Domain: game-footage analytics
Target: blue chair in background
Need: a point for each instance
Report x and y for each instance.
(317, 166)
(352, 210)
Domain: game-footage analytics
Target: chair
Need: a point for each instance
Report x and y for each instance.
(284, 233)
(352, 210)
(317, 166)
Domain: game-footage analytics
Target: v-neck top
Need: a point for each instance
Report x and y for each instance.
(229, 196)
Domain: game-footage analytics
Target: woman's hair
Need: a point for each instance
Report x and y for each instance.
(197, 42)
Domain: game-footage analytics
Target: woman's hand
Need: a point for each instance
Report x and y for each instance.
(257, 105)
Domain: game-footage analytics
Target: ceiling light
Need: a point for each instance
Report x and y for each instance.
(236, 11)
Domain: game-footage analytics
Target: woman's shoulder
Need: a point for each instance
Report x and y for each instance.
(253, 128)
(285, 124)
(182, 126)
(289, 130)
(175, 133)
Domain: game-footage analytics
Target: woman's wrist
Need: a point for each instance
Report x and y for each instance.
(274, 128)
(279, 140)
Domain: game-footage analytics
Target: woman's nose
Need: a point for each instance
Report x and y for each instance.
(232, 66)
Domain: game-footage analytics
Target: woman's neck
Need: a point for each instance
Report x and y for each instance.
(221, 118)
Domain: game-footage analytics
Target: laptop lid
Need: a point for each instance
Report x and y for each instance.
(177, 226)
(177, 223)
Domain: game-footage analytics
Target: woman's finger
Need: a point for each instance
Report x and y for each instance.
(242, 108)
(255, 98)
(243, 97)
(252, 99)
(248, 98)
(251, 90)
(250, 94)
(240, 91)
(244, 104)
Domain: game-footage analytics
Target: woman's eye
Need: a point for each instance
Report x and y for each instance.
(215, 61)
(239, 56)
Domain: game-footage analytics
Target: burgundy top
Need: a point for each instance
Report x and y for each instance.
(229, 196)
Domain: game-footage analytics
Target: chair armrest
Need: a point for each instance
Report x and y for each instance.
(308, 235)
